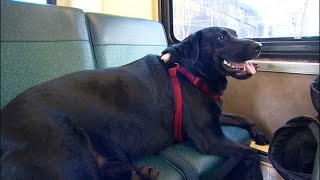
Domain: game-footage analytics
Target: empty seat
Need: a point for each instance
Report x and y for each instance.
(39, 43)
(120, 40)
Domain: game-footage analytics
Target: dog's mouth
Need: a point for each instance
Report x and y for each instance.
(242, 70)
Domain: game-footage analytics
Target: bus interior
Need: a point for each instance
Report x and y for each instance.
(44, 39)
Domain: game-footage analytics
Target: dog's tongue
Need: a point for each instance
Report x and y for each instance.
(247, 66)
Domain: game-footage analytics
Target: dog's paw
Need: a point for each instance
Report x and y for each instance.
(145, 173)
(258, 136)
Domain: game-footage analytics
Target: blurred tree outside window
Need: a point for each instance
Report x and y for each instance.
(250, 18)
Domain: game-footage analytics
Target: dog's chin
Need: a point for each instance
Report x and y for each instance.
(243, 70)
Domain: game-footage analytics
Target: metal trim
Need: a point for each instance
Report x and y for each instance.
(287, 67)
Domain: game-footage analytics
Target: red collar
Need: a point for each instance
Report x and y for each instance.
(196, 81)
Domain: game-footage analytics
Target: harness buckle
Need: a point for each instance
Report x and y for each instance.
(198, 82)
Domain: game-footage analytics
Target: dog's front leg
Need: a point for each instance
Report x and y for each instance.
(236, 120)
(221, 145)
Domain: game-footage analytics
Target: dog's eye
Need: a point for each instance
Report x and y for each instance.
(221, 37)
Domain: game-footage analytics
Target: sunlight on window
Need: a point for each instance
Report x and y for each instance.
(250, 18)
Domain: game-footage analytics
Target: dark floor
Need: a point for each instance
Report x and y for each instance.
(268, 172)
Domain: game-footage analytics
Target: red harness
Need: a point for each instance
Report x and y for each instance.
(196, 81)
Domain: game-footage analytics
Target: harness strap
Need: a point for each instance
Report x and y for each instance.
(178, 104)
(196, 81)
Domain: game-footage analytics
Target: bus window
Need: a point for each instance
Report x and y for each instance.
(250, 18)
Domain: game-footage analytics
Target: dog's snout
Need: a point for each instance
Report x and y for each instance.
(256, 46)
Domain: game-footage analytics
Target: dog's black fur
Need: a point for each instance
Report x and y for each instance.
(90, 124)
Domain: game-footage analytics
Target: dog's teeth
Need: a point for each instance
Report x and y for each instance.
(229, 64)
(225, 62)
(233, 66)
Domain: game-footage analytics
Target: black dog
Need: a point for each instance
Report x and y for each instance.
(90, 124)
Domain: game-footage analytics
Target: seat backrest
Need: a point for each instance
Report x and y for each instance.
(121, 40)
(39, 43)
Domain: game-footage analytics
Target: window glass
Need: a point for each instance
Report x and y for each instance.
(34, 1)
(145, 9)
(250, 18)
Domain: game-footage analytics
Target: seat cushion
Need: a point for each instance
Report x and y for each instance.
(196, 165)
(39, 43)
(167, 170)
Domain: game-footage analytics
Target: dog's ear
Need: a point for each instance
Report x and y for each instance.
(189, 47)
(194, 41)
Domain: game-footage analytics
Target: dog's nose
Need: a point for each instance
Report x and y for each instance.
(256, 46)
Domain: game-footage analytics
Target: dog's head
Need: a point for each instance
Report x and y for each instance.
(217, 51)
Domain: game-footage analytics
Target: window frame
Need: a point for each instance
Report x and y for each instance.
(306, 48)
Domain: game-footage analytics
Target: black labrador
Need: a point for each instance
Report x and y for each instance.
(91, 124)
